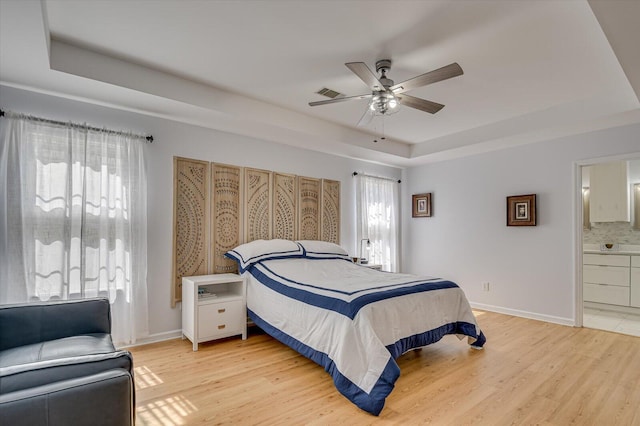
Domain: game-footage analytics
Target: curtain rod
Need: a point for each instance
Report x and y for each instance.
(149, 138)
(377, 177)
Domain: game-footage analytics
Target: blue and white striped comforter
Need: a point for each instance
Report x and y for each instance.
(355, 321)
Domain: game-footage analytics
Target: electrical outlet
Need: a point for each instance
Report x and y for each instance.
(485, 286)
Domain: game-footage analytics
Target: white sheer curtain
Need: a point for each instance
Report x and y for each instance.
(73, 210)
(377, 210)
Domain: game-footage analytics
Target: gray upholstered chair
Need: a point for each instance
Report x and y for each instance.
(58, 366)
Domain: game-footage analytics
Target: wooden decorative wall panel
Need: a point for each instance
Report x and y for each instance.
(190, 233)
(284, 206)
(309, 208)
(218, 207)
(257, 209)
(225, 216)
(330, 213)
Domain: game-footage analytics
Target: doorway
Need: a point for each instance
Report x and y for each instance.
(609, 247)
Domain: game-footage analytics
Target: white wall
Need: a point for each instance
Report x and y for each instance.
(530, 269)
(177, 139)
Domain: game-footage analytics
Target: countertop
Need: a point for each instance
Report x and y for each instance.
(623, 249)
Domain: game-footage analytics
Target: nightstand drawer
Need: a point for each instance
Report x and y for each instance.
(218, 319)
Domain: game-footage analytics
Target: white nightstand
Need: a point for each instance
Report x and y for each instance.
(213, 307)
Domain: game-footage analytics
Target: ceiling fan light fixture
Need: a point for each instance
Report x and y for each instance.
(383, 103)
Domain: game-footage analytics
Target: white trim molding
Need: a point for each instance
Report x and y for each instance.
(155, 338)
(524, 314)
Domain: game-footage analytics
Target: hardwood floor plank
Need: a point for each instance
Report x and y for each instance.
(530, 372)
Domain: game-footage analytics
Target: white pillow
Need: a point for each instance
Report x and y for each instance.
(249, 253)
(322, 249)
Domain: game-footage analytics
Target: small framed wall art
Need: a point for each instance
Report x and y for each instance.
(521, 210)
(421, 205)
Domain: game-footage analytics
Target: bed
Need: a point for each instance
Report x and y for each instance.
(352, 320)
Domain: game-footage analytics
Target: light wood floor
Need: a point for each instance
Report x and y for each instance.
(530, 372)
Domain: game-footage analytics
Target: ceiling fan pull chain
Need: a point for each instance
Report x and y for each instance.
(383, 137)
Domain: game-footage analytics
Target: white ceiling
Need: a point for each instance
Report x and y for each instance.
(533, 70)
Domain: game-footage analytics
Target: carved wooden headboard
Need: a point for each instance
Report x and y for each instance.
(217, 207)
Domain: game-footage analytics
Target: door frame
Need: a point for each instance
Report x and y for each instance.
(578, 231)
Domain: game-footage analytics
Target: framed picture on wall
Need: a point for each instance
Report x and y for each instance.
(521, 210)
(421, 205)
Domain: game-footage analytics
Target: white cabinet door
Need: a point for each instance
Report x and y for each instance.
(609, 192)
(635, 286)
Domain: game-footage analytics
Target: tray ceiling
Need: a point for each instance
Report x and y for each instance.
(532, 70)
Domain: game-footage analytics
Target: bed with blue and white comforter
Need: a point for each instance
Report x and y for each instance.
(352, 320)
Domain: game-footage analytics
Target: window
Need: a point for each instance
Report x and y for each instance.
(75, 203)
(377, 210)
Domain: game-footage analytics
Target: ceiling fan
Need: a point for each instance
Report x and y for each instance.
(385, 96)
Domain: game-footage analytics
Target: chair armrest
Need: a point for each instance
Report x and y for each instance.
(29, 323)
(105, 398)
(15, 378)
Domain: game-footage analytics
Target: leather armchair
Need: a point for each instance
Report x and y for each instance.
(58, 366)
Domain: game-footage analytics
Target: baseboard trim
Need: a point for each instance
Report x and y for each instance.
(155, 338)
(174, 334)
(524, 314)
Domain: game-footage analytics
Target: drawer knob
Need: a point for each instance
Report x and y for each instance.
(220, 311)
(220, 327)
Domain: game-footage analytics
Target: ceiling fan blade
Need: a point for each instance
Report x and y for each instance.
(364, 72)
(449, 71)
(365, 119)
(421, 104)
(346, 98)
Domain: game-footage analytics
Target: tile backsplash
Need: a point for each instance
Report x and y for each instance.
(611, 232)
